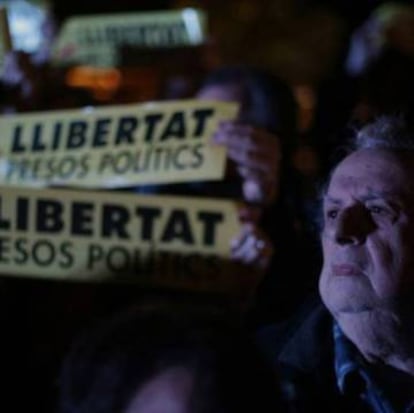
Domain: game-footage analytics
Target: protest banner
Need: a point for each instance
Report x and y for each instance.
(159, 142)
(113, 236)
(96, 40)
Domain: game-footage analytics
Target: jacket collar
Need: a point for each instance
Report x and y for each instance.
(310, 345)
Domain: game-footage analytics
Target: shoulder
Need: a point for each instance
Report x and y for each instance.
(302, 352)
(303, 341)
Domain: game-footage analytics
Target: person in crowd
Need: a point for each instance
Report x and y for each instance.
(164, 359)
(355, 351)
(30, 82)
(381, 61)
(260, 144)
(264, 133)
(28, 85)
(372, 77)
(388, 26)
(253, 141)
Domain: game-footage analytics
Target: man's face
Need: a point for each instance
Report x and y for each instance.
(368, 234)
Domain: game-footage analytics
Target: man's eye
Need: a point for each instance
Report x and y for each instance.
(331, 214)
(378, 210)
(384, 213)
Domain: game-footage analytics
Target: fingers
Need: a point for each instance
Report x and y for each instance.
(260, 192)
(17, 68)
(250, 214)
(249, 147)
(254, 142)
(252, 247)
(232, 133)
(258, 186)
(251, 174)
(236, 135)
(257, 155)
(260, 160)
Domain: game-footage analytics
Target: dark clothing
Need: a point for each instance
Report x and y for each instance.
(302, 350)
(382, 388)
(305, 352)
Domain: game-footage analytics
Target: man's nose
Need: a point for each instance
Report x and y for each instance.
(353, 225)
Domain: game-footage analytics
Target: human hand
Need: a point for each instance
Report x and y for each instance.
(19, 71)
(252, 247)
(16, 66)
(257, 156)
(390, 24)
(365, 45)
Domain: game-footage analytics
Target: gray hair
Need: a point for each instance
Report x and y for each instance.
(392, 133)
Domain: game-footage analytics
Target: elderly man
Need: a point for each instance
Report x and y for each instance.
(359, 355)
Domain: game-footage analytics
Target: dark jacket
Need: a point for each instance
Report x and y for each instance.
(303, 352)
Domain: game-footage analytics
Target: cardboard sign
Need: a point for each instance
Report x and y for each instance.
(96, 40)
(95, 236)
(114, 146)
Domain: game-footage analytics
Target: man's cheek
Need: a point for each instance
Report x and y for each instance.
(383, 267)
(326, 244)
(378, 254)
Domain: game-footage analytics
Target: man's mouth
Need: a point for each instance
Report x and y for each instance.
(346, 270)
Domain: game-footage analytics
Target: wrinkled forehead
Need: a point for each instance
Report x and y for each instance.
(374, 171)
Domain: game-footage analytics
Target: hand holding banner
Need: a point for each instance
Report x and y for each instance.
(94, 236)
(116, 146)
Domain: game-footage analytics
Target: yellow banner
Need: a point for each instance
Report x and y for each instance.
(116, 146)
(96, 236)
(96, 40)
